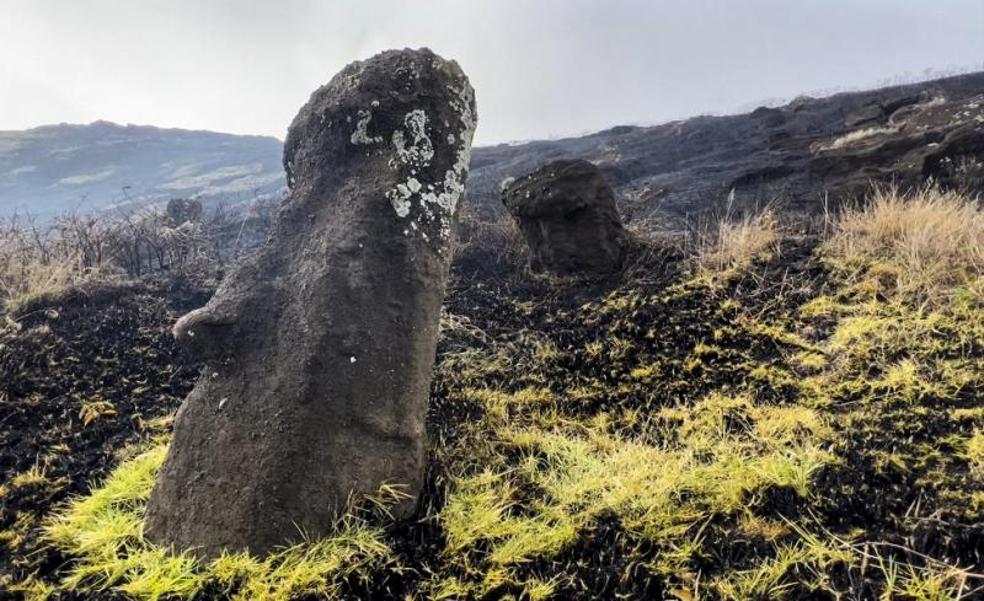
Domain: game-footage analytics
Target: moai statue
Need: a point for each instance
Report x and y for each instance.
(319, 348)
(566, 211)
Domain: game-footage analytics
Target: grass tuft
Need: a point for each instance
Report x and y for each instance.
(698, 466)
(104, 532)
(973, 452)
(922, 245)
(735, 245)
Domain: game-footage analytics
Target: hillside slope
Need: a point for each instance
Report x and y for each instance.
(803, 420)
(792, 155)
(57, 168)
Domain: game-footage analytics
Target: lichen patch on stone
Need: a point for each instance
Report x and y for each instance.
(361, 133)
(414, 152)
(400, 199)
(420, 150)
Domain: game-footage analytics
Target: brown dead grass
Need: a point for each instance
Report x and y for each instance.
(25, 276)
(858, 135)
(488, 241)
(924, 244)
(736, 244)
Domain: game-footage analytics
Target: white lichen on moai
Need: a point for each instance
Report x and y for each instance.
(361, 133)
(401, 200)
(441, 198)
(420, 151)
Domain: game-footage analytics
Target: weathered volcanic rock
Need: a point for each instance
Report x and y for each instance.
(566, 211)
(927, 138)
(319, 348)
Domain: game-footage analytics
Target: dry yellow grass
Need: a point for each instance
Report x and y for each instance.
(736, 244)
(25, 279)
(923, 244)
(858, 135)
(35, 263)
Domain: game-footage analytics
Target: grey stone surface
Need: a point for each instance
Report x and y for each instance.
(319, 348)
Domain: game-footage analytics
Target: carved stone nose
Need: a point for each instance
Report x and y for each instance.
(205, 333)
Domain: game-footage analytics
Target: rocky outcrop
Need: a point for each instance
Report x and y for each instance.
(930, 137)
(566, 211)
(319, 348)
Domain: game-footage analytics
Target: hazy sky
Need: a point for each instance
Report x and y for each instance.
(541, 68)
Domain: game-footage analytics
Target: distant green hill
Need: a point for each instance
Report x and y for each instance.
(55, 168)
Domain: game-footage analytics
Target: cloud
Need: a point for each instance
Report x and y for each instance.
(540, 68)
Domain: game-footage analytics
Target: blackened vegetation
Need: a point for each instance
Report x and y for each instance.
(788, 155)
(81, 377)
(902, 480)
(607, 562)
(651, 324)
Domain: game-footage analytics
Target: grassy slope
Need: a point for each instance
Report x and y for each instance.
(795, 424)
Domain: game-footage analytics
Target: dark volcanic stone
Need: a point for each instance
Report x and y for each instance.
(566, 211)
(319, 348)
(866, 115)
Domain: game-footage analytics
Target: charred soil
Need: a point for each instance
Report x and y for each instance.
(657, 434)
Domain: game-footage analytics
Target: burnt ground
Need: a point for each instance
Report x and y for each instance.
(85, 375)
(81, 377)
(798, 155)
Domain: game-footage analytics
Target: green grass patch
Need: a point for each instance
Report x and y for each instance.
(103, 532)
